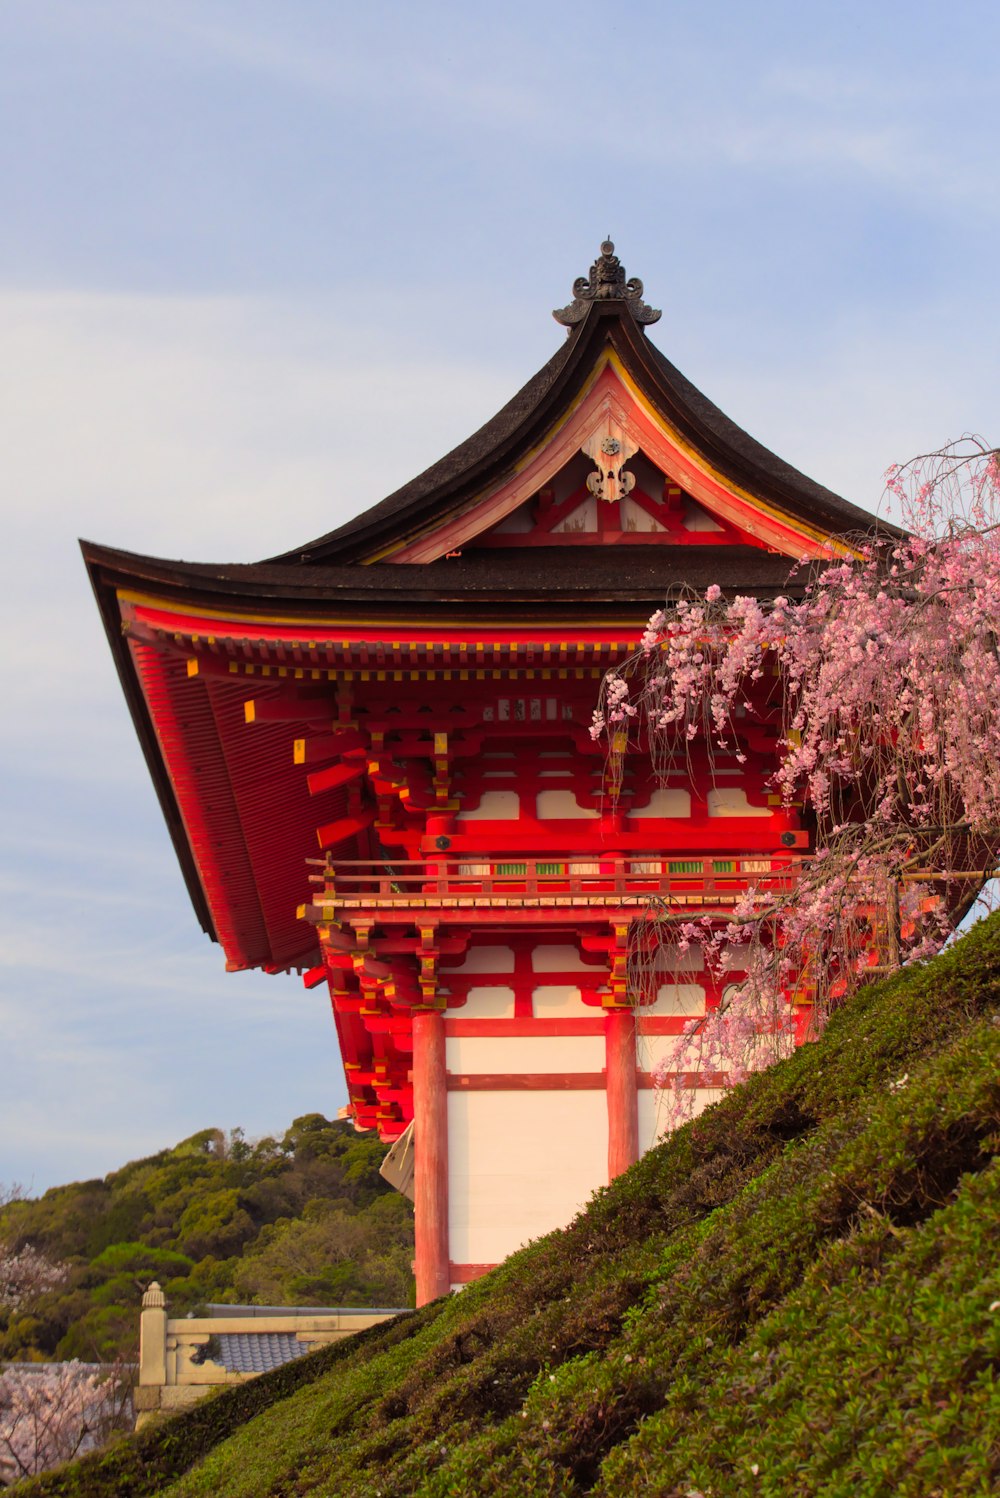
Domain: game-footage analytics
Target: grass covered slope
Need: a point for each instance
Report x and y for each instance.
(798, 1293)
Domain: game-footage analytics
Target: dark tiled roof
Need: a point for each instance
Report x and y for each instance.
(545, 576)
(490, 453)
(257, 1352)
(516, 585)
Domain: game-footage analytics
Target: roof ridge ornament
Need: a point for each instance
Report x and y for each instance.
(605, 283)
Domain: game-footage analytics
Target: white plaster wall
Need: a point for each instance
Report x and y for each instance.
(561, 1001)
(494, 806)
(666, 801)
(651, 1049)
(583, 518)
(670, 959)
(558, 960)
(654, 1113)
(563, 804)
(731, 801)
(520, 1164)
(524, 1053)
(635, 518)
(484, 960)
(678, 999)
(490, 1001)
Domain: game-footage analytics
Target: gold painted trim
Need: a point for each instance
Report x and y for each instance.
(610, 360)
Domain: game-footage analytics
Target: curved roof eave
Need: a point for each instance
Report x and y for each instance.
(552, 579)
(485, 457)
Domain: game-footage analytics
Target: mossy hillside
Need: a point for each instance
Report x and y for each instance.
(799, 1282)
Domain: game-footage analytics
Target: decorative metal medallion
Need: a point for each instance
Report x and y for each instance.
(609, 451)
(606, 282)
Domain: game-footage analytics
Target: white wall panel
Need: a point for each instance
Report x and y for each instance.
(666, 801)
(524, 1053)
(697, 519)
(559, 960)
(520, 1164)
(491, 1001)
(562, 804)
(731, 801)
(485, 960)
(670, 959)
(494, 806)
(678, 999)
(653, 1048)
(561, 1001)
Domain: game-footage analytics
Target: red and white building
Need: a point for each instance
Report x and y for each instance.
(373, 755)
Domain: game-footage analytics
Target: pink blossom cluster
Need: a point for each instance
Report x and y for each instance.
(25, 1274)
(53, 1412)
(879, 674)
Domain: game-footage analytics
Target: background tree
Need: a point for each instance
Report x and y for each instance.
(879, 673)
(304, 1219)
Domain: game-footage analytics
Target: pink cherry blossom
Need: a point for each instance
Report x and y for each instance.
(879, 672)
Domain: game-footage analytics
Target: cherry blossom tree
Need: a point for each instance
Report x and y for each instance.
(878, 674)
(26, 1273)
(49, 1412)
(52, 1412)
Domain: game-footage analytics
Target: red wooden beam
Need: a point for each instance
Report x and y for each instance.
(322, 746)
(623, 1103)
(430, 1157)
(288, 709)
(334, 776)
(332, 833)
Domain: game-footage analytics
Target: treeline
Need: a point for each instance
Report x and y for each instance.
(305, 1220)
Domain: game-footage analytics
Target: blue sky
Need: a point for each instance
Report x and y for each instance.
(262, 262)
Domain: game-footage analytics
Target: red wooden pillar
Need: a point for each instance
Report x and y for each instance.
(430, 1156)
(623, 1093)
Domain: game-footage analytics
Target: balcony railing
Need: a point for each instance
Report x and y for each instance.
(574, 880)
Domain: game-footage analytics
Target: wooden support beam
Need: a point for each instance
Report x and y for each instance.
(322, 746)
(334, 776)
(430, 1156)
(332, 833)
(623, 1097)
(288, 709)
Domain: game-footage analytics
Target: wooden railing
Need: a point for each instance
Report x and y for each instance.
(573, 879)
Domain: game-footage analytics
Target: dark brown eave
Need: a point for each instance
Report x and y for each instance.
(491, 453)
(542, 580)
(107, 603)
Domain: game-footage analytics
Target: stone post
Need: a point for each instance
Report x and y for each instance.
(153, 1338)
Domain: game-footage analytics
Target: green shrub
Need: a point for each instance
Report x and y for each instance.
(796, 1294)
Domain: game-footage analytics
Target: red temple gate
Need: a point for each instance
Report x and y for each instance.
(374, 758)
